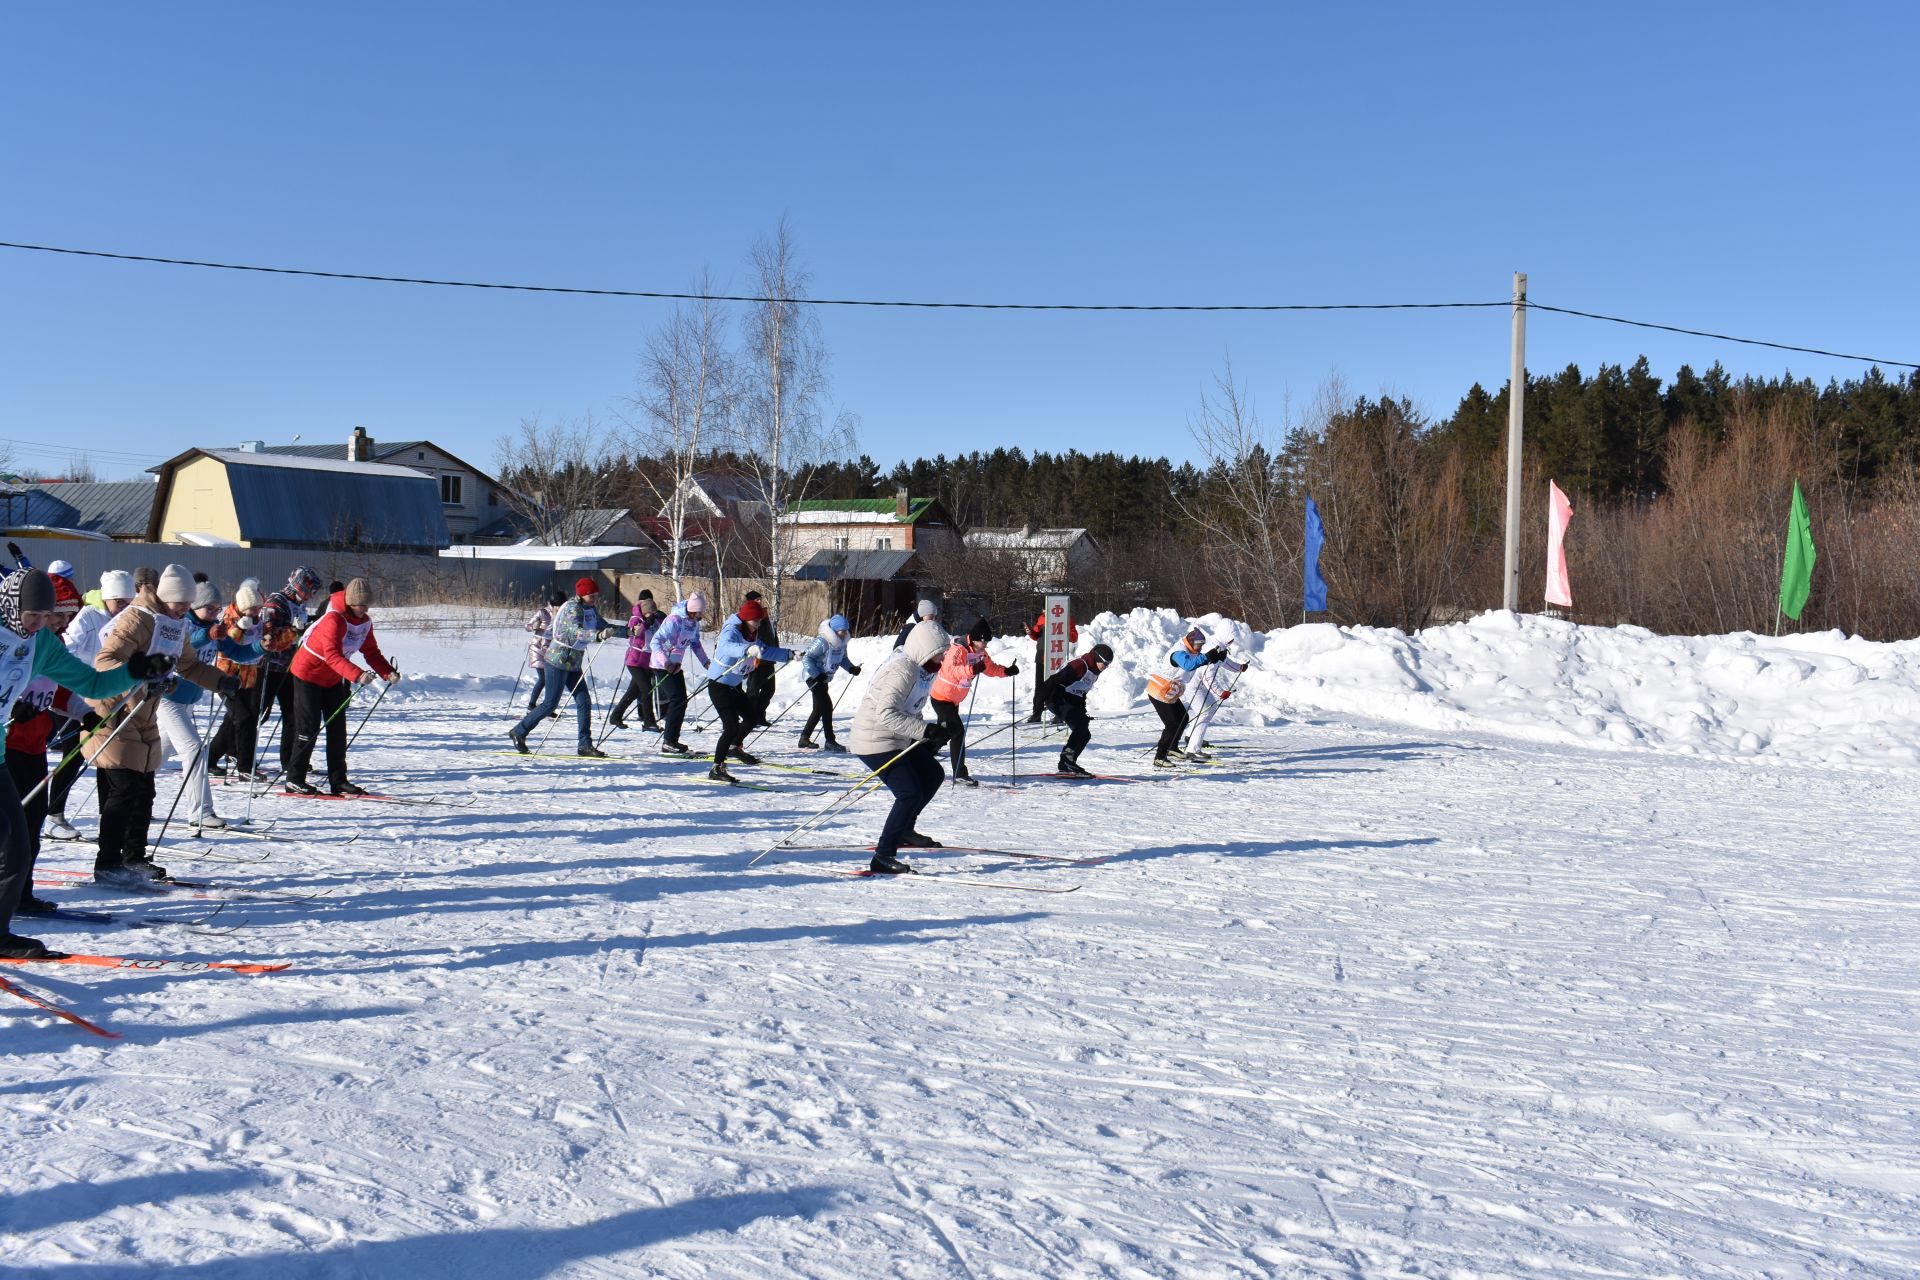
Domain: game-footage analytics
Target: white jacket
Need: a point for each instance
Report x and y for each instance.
(888, 719)
(88, 631)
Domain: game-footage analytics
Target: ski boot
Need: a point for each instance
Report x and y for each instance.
(886, 864)
(15, 947)
(58, 828)
(741, 757)
(519, 741)
(914, 840)
(834, 748)
(719, 774)
(349, 789)
(591, 752)
(807, 744)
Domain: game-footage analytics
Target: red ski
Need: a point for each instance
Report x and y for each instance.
(54, 1009)
(176, 966)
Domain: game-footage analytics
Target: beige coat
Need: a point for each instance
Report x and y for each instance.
(136, 743)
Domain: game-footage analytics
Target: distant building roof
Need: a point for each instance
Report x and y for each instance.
(725, 491)
(379, 449)
(1024, 539)
(118, 509)
(564, 559)
(854, 510)
(838, 565)
(321, 503)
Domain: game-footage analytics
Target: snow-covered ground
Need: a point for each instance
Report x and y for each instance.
(1488, 951)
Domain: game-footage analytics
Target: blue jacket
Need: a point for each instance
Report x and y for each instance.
(825, 656)
(206, 648)
(730, 661)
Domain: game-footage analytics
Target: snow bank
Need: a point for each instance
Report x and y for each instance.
(1820, 698)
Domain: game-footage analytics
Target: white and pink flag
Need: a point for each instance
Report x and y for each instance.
(1559, 515)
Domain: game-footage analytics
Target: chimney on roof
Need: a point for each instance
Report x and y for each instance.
(359, 446)
(900, 503)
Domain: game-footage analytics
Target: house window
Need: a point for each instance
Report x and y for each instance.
(841, 544)
(450, 491)
(883, 544)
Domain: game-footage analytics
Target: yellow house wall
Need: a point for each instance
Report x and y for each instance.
(201, 502)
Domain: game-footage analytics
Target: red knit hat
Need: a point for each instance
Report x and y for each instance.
(586, 587)
(66, 596)
(752, 612)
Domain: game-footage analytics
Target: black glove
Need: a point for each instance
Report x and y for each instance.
(934, 735)
(1013, 670)
(1215, 654)
(853, 669)
(13, 549)
(149, 666)
(228, 686)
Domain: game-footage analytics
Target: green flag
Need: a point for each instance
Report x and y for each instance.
(1796, 569)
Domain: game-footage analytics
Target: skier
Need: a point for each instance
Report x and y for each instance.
(239, 731)
(125, 750)
(670, 642)
(41, 703)
(1213, 686)
(927, 612)
(27, 650)
(1168, 693)
(283, 620)
(324, 677)
(640, 628)
(889, 734)
(1066, 696)
(575, 626)
(965, 657)
(736, 656)
(179, 727)
(824, 656)
(760, 678)
(82, 638)
(1038, 634)
(541, 625)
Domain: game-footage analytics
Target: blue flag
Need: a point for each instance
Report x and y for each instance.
(1313, 591)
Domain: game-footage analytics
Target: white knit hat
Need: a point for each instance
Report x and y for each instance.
(176, 585)
(248, 596)
(116, 584)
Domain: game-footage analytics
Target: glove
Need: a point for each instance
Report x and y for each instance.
(1215, 654)
(603, 633)
(753, 653)
(934, 735)
(167, 685)
(1013, 671)
(365, 678)
(395, 677)
(13, 549)
(228, 686)
(853, 669)
(150, 667)
(246, 626)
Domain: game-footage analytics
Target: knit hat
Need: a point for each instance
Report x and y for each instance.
(752, 611)
(60, 569)
(359, 594)
(175, 585)
(751, 595)
(205, 595)
(116, 584)
(696, 603)
(980, 631)
(248, 596)
(928, 609)
(556, 598)
(36, 591)
(146, 576)
(66, 596)
(586, 587)
(837, 623)
(645, 594)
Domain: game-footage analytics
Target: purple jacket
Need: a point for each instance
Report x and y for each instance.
(640, 630)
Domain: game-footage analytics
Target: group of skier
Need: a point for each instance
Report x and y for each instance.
(890, 731)
(115, 679)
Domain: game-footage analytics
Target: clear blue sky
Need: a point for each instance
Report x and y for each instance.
(1740, 168)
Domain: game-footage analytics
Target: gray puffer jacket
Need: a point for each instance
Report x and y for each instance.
(889, 718)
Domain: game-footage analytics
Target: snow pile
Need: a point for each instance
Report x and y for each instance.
(1820, 698)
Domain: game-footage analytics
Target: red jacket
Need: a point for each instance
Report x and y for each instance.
(1039, 629)
(325, 656)
(956, 672)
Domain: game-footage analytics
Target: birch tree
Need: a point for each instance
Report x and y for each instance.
(684, 404)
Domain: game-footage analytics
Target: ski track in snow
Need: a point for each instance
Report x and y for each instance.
(1358, 1001)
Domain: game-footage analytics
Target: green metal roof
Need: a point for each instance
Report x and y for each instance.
(916, 507)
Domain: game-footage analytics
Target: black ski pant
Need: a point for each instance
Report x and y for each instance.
(279, 691)
(759, 687)
(1173, 723)
(239, 731)
(1072, 708)
(23, 773)
(822, 713)
(67, 744)
(915, 780)
(735, 708)
(948, 716)
(126, 814)
(639, 690)
(670, 691)
(320, 707)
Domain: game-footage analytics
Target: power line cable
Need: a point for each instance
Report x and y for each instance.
(952, 306)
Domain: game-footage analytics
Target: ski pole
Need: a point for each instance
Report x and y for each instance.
(114, 708)
(805, 693)
(514, 696)
(606, 725)
(355, 735)
(1013, 720)
(837, 801)
(571, 687)
(186, 780)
